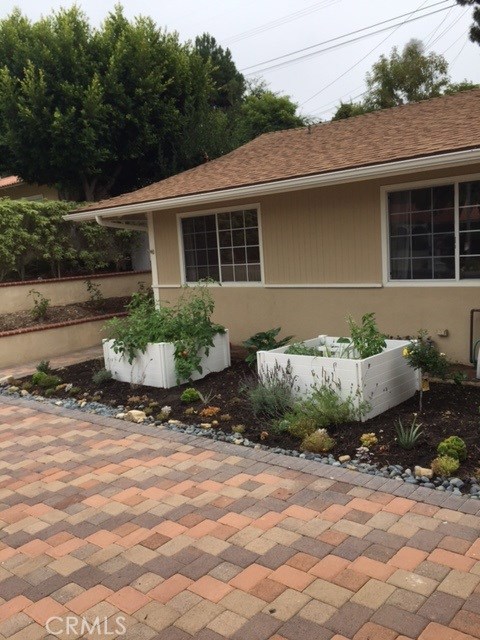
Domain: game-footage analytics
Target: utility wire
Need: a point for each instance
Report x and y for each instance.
(267, 26)
(346, 35)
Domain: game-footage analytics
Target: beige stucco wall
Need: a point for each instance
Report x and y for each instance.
(15, 297)
(22, 190)
(39, 345)
(326, 236)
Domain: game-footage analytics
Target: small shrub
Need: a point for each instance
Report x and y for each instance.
(225, 417)
(209, 412)
(367, 339)
(189, 411)
(445, 466)
(271, 395)
(301, 426)
(45, 380)
(44, 366)
(325, 407)
(263, 341)
(318, 442)
(301, 349)
(74, 391)
(368, 440)
(407, 437)
(422, 354)
(190, 395)
(101, 376)
(454, 447)
(27, 386)
(238, 428)
(96, 298)
(40, 305)
(48, 393)
(164, 413)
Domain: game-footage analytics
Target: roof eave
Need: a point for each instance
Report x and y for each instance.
(355, 174)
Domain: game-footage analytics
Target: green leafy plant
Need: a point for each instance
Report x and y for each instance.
(101, 376)
(325, 407)
(187, 325)
(318, 442)
(44, 366)
(454, 447)
(45, 380)
(423, 355)
(301, 349)
(366, 337)
(263, 341)
(300, 426)
(407, 437)
(40, 305)
(271, 393)
(368, 440)
(96, 298)
(190, 395)
(445, 466)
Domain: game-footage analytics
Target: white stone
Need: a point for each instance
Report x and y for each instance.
(135, 415)
(422, 471)
(344, 459)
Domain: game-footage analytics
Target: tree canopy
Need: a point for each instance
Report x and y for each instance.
(407, 76)
(98, 112)
(475, 27)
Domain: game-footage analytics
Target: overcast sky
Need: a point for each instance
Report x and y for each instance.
(259, 30)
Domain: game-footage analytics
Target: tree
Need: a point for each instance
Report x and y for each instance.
(263, 111)
(409, 76)
(475, 28)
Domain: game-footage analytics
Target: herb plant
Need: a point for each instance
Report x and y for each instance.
(263, 341)
(445, 466)
(366, 337)
(301, 349)
(101, 376)
(44, 366)
(187, 325)
(271, 394)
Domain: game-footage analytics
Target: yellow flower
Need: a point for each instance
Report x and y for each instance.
(406, 352)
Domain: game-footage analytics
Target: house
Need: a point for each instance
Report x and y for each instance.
(15, 188)
(380, 212)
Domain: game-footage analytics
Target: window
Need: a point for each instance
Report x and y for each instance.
(222, 246)
(434, 232)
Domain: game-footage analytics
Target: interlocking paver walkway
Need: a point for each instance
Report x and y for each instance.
(179, 537)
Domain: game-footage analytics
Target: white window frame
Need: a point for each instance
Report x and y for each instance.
(206, 212)
(385, 231)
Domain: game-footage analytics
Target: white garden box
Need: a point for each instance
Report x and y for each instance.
(156, 367)
(383, 381)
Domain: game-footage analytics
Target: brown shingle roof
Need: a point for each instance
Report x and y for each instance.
(440, 125)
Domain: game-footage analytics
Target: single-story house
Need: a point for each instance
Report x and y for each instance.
(15, 188)
(380, 212)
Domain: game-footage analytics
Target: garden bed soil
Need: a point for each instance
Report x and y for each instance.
(449, 409)
(77, 311)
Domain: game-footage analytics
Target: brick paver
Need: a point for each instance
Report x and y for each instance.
(174, 537)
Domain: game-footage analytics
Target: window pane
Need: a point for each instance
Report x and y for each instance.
(421, 246)
(470, 267)
(400, 247)
(400, 224)
(399, 201)
(200, 241)
(200, 248)
(238, 237)
(227, 274)
(469, 193)
(187, 225)
(201, 257)
(203, 273)
(210, 223)
(237, 220)
(251, 236)
(191, 274)
(214, 273)
(251, 218)
(226, 256)
(188, 242)
(421, 222)
(239, 256)
(443, 220)
(212, 255)
(444, 268)
(253, 254)
(254, 274)
(400, 270)
(469, 218)
(223, 220)
(190, 258)
(225, 238)
(421, 199)
(241, 273)
(444, 244)
(421, 269)
(199, 223)
(443, 197)
(470, 243)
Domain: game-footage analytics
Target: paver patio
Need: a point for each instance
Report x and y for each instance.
(185, 537)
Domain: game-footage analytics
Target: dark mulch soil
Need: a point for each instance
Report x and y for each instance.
(448, 410)
(77, 311)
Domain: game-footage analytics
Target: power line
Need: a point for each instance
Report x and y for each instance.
(448, 27)
(346, 35)
(267, 26)
(431, 35)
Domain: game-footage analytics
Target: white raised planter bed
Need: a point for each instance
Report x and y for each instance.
(156, 367)
(383, 380)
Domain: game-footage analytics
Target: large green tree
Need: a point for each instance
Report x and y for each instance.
(475, 28)
(407, 76)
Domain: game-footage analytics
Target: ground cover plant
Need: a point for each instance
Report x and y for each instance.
(449, 410)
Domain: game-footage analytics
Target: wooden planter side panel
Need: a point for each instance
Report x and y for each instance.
(383, 381)
(156, 367)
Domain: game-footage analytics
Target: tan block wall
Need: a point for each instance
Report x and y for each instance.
(60, 292)
(39, 345)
